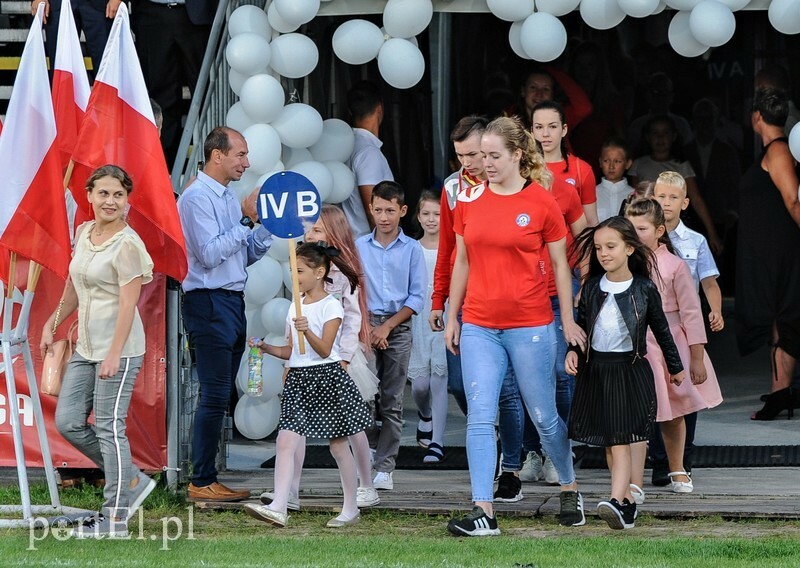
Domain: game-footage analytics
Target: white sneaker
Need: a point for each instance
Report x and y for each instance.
(366, 497)
(383, 480)
(549, 471)
(292, 504)
(532, 468)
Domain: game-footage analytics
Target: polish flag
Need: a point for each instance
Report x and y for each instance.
(119, 128)
(33, 215)
(70, 83)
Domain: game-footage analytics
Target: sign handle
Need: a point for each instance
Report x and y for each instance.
(301, 341)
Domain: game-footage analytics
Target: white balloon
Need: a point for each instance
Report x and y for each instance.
(515, 40)
(357, 41)
(273, 313)
(386, 36)
(400, 63)
(277, 22)
(297, 12)
(712, 23)
(287, 275)
(336, 142)
(254, 326)
(264, 147)
(661, 7)
(784, 15)
(344, 181)
(299, 125)
(407, 18)
(248, 53)
(272, 376)
(236, 81)
(245, 186)
(277, 339)
(249, 19)
(262, 97)
(681, 38)
(279, 249)
(264, 280)
(237, 118)
(266, 176)
(735, 4)
(511, 10)
(543, 37)
(557, 7)
(601, 14)
(294, 55)
(318, 175)
(638, 8)
(682, 4)
(794, 141)
(257, 417)
(293, 156)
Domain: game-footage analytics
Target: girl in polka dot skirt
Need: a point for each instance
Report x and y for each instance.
(320, 399)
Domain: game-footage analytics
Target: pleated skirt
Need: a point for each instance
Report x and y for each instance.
(614, 402)
(322, 401)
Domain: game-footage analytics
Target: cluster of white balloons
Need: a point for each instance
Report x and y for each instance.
(400, 61)
(280, 137)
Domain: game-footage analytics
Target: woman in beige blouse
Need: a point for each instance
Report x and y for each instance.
(109, 266)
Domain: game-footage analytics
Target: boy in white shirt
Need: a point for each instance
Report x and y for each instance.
(613, 188)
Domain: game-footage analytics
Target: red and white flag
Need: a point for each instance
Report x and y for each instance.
(119, 128)
(33, 216)
(70, 83)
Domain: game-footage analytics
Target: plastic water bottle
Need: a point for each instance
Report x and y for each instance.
(255, 382)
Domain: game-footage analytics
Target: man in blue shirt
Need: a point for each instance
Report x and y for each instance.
(394, 266)
(220, 244)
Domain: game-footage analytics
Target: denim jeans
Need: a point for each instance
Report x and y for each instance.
(105, 443)
(511, 422)
(485, 355)
(216, 325)
(565, 384)
(455, 380)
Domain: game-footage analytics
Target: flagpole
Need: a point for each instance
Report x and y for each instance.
(68, 173)
(12, 269)
(34, 271)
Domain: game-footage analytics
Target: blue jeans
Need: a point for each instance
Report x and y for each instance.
(216, 325)
(485, 354)
(455, 380)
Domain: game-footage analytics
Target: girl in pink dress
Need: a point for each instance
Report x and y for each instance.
(682, 308)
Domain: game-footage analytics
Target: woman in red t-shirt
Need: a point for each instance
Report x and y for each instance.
(550, 131)
(500, 275)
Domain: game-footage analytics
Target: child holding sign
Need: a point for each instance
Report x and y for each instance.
(320, 399)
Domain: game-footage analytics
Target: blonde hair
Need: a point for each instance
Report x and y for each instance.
(673, 179)
(531, 165)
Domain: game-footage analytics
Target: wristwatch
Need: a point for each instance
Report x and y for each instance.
(247, 222)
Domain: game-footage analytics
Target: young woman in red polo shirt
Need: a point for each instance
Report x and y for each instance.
(500, 277)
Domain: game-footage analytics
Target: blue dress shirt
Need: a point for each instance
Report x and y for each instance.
(396, 275)
(219, 248)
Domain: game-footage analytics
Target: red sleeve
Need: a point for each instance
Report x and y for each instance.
(553, 226)
(588, 184)
(579, 106)
(574, 209)
(444, 258)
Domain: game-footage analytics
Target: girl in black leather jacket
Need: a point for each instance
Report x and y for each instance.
(615, 401)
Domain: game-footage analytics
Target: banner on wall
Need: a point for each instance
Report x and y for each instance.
(146, 430)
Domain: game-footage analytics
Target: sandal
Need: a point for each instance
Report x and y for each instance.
(681, 486)
(435, 453)
(637, 493)
(423, 438)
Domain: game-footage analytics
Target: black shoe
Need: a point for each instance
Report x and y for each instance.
(509, 488)
(423, 438)
(476, 523)
(776, 403)
(571, 514)
(617, 516)
(660, 474)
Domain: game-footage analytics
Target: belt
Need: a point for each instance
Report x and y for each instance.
(380, 317)
(169, 5)
(215, 291)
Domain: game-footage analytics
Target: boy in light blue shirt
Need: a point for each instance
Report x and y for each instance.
(396, 279)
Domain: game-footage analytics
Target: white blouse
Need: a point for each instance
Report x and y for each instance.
(610, 332)
(97, 273)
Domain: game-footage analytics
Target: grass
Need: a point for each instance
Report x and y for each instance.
(383, 538)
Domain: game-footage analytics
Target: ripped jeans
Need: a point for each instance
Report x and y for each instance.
(485, 354)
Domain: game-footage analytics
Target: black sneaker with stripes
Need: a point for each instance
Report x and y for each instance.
(476, 523)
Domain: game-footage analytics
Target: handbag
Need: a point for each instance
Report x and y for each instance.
(54, 363)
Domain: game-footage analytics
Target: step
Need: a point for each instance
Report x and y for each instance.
(13, 35)
(15, 7)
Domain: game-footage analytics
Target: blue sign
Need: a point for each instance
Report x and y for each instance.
(288, 204)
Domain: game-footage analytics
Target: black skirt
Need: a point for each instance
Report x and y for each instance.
(614, 401)
(322, 402)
